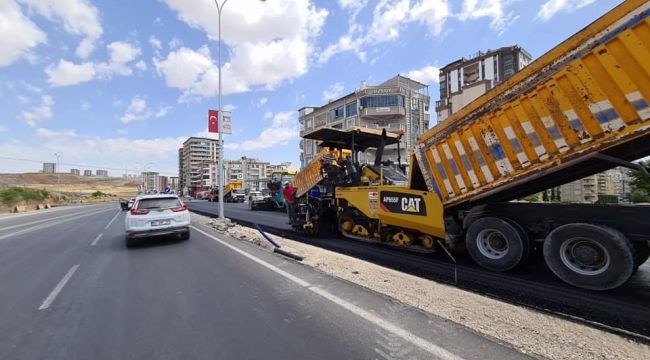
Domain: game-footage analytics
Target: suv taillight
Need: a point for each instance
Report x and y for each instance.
(139, 212)
(181, 208)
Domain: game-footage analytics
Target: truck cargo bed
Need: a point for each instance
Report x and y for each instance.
(552, 122)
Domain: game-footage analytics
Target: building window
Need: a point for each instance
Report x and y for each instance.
(336, 113)
(382, 101)
(443, 88)
(310, 123)
(351, 109)
(508, 66)
(350, 123)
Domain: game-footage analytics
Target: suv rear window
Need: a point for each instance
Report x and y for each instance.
(158, 203)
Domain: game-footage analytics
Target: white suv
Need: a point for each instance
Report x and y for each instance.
(154, 215)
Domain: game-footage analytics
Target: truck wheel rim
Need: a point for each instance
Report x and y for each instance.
(584, 256)
(492, 243)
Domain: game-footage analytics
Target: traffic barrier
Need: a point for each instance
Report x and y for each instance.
(20, 208)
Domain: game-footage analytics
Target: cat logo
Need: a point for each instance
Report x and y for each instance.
(401, 203)
(410, 204)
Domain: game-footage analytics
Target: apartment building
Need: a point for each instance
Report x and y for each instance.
(174, 184)
(195, 159)
(251, 172)
(150, 181)
(283, 166)
(49, 168)
(88, 173)
(75, 172)
(399, 104)
(101, 173)
(163, 183)
(613, 182)
(464, 80)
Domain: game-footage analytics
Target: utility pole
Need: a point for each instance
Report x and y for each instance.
(58, 174)
(220, 167)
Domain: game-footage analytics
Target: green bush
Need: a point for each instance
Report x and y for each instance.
(97, 194)
(13, 195)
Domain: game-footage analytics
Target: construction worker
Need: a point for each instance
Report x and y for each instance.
(289, 199)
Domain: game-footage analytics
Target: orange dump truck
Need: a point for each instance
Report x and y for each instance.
(581, 108)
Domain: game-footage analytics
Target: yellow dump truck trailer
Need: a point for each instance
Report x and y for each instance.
(573, 112)
(581, 108)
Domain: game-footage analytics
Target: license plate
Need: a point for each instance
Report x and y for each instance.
(160, 222)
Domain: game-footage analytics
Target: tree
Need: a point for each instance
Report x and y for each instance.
(639, 180)
(639, 196)
(607, 199)
(640, 184)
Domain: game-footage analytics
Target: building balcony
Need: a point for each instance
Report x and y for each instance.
(386, 111)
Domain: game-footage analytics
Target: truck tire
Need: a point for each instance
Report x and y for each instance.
(496, 244)
(589, 256)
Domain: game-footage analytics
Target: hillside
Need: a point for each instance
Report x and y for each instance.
(70, 184)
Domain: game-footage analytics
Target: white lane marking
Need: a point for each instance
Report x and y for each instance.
(387, 325)
(113, 219)
(364, 314)
(40, 221)
(57, 289)
(42, 226)
(96, 240)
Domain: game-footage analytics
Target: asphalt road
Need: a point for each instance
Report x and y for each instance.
(72, 290)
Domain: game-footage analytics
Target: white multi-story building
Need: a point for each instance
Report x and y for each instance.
(150, 181)
(195, 159)
(464, 80)
(49, 168)
(251, 172)
(397, 105)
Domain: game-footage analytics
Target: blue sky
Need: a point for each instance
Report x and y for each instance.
(120, 84)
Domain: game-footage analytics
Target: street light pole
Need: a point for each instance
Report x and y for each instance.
(220, 166)
(220, 177)
(58, 173)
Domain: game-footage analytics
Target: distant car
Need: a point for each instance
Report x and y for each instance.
(124, 204)
(157, 215)
(255, 195)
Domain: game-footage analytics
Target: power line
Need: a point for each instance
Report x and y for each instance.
(76, 165)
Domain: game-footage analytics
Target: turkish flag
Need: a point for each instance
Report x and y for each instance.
(213, 121)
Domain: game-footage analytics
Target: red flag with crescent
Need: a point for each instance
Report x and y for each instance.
(213, 121)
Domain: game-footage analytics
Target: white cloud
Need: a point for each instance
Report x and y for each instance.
(19, 35)
(66, 73)
(39, 113)
(53, 134)
(333, 92)
(269, 43)
(23, 99)
(120, 57)
(135, 111)
(32, 88)
(138, 111)
(390, 17)
(3, 129)
(141, 65)
(155, 43)
(426, 75)
(78, 17)
(112, 153)
(284, 128)
(85, 105)
(494, 9)
(552, 7)
(261, 102)
(229, 107)
(175, 43)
